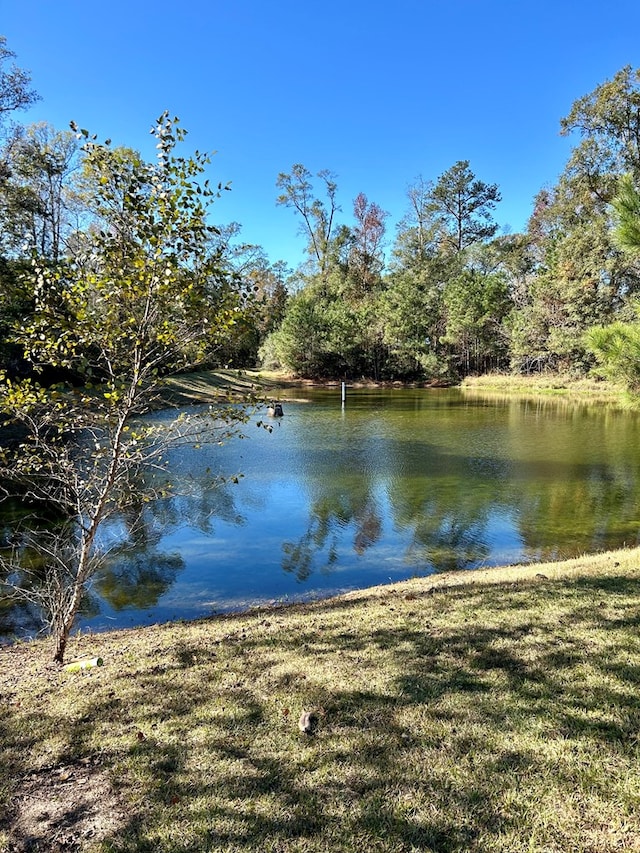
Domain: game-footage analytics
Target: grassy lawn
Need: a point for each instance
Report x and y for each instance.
(211, 385)
(489, 711)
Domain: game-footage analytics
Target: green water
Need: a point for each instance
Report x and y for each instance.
(393, 484)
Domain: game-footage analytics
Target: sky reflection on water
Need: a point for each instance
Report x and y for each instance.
(398, 483)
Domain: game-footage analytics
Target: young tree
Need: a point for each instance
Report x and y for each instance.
(130, 305)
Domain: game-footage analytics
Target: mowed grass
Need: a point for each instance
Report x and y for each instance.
(224, 384)
(490, 711)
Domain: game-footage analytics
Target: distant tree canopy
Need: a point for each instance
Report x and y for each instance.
(454, 296)
(444, 295)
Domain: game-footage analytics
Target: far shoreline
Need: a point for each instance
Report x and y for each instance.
(211, 385)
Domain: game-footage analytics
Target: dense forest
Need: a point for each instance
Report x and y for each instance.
(445, 296)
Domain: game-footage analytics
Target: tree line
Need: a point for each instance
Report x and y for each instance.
(445, 296)
(457, 297)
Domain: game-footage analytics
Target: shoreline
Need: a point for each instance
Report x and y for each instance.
(190, 388)
(554, 570)
(212, 385)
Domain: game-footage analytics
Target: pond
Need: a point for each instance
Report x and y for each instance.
(393, 484)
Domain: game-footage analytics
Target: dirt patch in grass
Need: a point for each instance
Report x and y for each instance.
(63, 808)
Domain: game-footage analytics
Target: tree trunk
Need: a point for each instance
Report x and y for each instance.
(65, 619)
(61, 638)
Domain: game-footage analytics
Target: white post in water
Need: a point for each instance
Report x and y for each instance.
(344, 392)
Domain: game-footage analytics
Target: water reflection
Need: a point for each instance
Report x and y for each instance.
(137, 580)
(329, 516)
(397, 483)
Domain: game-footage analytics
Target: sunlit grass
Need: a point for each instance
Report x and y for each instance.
(211, 385)
(555, 385)
(490, 711)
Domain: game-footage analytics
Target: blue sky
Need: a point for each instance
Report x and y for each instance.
(377, 92)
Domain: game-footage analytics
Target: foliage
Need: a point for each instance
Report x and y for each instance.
(463, 206)
(39, 209)
(475, 304)
(140, 296)
(365, 256)
(452, 297)
(412, 307)
(395, 325)
(582, 278)
(317, 216)
(617, 350)
(608, 121)
(626, 205)
(300, 344)
(15, 91)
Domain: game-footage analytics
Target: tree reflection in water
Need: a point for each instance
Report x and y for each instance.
(138, 580)
(327, 520)
(138, 574)
(398, 483)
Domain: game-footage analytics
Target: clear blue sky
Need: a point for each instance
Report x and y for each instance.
(377, 92)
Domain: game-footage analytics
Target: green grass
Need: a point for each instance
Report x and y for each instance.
(491, 711)
(554, 385)
(208, 385)
(214, 384)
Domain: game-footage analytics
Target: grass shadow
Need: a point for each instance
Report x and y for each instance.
(490, 717)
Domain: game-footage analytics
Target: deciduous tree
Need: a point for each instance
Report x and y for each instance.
(366, 259)
(127, 307)
(15, 83)
(38, 210)
(318, 216)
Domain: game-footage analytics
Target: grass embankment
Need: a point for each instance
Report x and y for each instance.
(491, 711)
(215, 384)
(212, 385)
(586, 389)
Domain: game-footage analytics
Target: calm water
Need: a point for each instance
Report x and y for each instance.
(395, 484)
